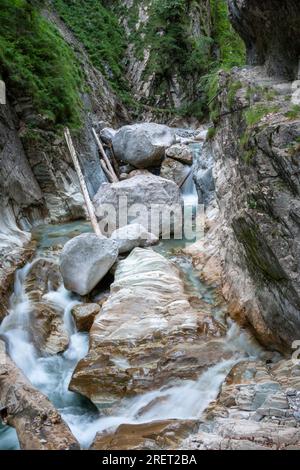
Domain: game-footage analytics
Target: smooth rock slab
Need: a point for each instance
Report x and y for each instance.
(47, 328)
(133, 236)
(155, 435)
(142, 145)
(147, 333)
(85, 260)
(46, 322)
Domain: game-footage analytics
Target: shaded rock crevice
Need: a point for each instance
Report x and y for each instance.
(270, 29)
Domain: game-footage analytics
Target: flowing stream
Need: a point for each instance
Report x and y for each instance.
(51, 375)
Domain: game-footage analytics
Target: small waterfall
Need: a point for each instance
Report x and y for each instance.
(50, 374)
(189, 190)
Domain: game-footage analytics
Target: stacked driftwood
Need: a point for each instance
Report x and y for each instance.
(110, 170)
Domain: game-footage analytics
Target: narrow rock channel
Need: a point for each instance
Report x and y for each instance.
(161, 334)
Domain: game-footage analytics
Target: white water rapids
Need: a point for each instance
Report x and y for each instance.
(52, 375)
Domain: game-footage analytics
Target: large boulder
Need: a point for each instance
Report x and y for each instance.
(85, 260)
(112, 201)
(180, 152)
(147, 334)
(132, 236)
(142, 145)
(174, 170)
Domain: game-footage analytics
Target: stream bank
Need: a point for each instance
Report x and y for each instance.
(52, 374)
(163, 333)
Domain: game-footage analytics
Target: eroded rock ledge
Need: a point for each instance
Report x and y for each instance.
(38, 424)
(256, 236)
(270, 29)
(257, 409)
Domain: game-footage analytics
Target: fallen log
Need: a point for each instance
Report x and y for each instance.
(83, 187)
(106, 171)
(38, 424)
(105, 158)
(114, 160)
(185, 178)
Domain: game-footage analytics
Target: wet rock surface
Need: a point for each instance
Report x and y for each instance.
(256, 410)
(84, 315)
(158, 435)
(46, 323)
(38, 424)
(147, 334)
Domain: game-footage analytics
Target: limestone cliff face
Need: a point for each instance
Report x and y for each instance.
(37, 179)
(270, 29)
(257, 170)
(21, 201)
(257, 180)
(153, 87)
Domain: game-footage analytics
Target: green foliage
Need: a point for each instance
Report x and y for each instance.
(231, 49)
(98, 29)
(248, 155)
(211, 133)
(36, 62)
(294, 112)
(255, 93)
(192, 109)
(230, 52)
(232, 91)
(255, 113)
(173, 46)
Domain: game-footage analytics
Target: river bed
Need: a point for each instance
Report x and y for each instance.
(51, 375)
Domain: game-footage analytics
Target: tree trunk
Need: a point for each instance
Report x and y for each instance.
(84, 190)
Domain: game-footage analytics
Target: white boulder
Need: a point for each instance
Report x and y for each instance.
(85, 260)
(132, 236)
(142, 145)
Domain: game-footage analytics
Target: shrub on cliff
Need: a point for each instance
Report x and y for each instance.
(36, 62)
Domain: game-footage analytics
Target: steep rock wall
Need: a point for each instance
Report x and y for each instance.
(257, 185)
(37, 179)
(164, 87)
(270, 29)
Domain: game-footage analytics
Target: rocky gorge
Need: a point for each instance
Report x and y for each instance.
(101, 336)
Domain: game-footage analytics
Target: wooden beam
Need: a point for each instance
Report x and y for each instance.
(105, 158)
(83, 187)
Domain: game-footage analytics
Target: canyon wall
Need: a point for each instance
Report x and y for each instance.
(256, 146)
